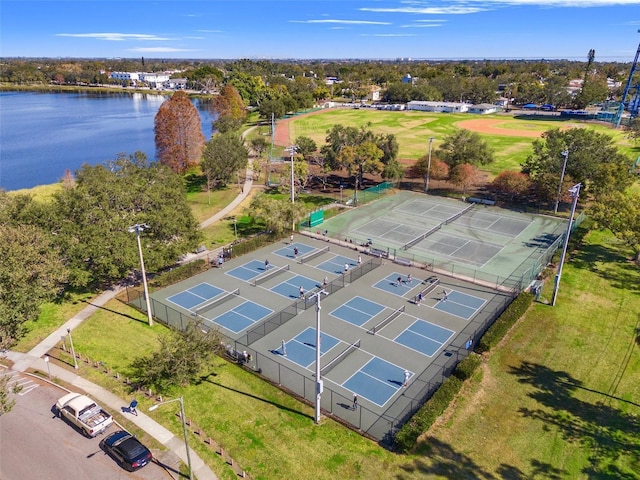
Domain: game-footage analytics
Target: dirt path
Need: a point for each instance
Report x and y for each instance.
(282, 136)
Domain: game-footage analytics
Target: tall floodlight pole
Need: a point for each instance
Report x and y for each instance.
(137, 228)
(575, 193)
(565, 154)
(319, 386)
(426, 187)
(292, 151)
(184, 429)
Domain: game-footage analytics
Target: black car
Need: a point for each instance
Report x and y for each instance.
(126, 450)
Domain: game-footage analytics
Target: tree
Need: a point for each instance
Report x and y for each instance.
(31, 273)
(6, 401)
(393, 171)
(633, 130)
(230, 107)
(364, 158)
(259, 145)
(178, 133)
(306, 147)
(274, 107)
(182, 358)
(511, 184)
(464, 175)
(592, 160)
(90, 221)
(464, 146)
(277, 215)
(620, 213)
(223, 156)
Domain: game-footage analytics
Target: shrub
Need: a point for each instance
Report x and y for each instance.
(464, 370)
(501, 326)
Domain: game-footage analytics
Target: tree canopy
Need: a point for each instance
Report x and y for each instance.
(592, 159)
(464, 146)
(178, 133)
(620, 213)
(90, 221)
(223, 156)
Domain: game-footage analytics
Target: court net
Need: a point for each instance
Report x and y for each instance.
(312, 255)
(407, 246)
(259, 280)
(432, 283)
(327, 368)
(459, 214)
(216, 301)
(396, 313)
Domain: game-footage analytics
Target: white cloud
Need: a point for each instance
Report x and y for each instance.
(422, 25)
(559, 3)
(114, 37)
(388, 35)
(453, 10)
(346, 22)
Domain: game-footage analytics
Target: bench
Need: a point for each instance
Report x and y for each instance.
(376, 252)
(402, 261)
(483, 201)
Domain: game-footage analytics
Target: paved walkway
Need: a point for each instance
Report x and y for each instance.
(35, 360)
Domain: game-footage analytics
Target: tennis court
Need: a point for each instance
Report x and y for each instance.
(289, 251)
(397, 284)
(358, 311)
(424, 337)
(290, 288)
(249, 270)
(459, 304)
(241, 317)
(195, 296)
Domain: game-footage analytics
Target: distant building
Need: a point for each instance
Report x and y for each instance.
(444, 107)
(483, 108)
(156, 79)
(125, 76)
(175, 84)
(409, 79)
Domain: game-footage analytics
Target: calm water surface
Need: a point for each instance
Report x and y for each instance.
(44, 134)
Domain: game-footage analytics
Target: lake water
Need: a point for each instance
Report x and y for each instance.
(44, 134)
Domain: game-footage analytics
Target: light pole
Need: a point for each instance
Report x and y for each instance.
(575, 193)
(341, 187)
(565, 154)
(184, 428)
(292, 151)
(46, 360)
(137, 228)
(235, 227)
(73, 351)
(426, 186)
(319, 385)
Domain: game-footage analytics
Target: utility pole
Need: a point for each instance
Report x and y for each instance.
(565, 154)
(575, 194)
(426, 187)
(137, 228)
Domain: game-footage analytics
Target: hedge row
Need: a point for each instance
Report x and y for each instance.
(503, 324)
(407, 436)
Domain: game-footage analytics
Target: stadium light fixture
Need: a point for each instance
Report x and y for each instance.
(137, 228)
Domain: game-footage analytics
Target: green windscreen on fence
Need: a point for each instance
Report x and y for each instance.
(316, 218)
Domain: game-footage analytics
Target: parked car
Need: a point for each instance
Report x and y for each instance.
(127, 450)
(84, 413)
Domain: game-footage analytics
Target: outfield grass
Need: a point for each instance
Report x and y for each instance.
(413, 130)
(558, 399)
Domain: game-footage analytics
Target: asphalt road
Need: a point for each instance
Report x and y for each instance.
(35, 443)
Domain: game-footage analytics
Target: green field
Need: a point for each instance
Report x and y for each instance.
(413, 130)
(558, 399)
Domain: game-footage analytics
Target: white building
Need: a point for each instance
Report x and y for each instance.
(445, 107)
(483, 108)
(155, 79)
(125, 76)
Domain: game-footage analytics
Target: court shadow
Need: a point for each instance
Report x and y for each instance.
(262, 400)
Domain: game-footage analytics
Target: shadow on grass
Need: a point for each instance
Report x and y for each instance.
(625, 275)
(446, 462)
(608, 433)
(115, 312)
(277, 405)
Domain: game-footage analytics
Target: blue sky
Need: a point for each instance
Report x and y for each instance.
(380, 29)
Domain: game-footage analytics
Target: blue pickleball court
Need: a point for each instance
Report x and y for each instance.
(291, 287)
(357, 311)
(196, 295)
(424, 337)
(377, 381)
(390, 284)
(459, 304)
(289, 250)
(337, 263)
(242, 316)
(249, 270)
(302, 348)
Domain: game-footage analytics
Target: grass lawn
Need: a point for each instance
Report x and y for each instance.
(205, 204)
(561, 397)
(558, 399)
(413, 130)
